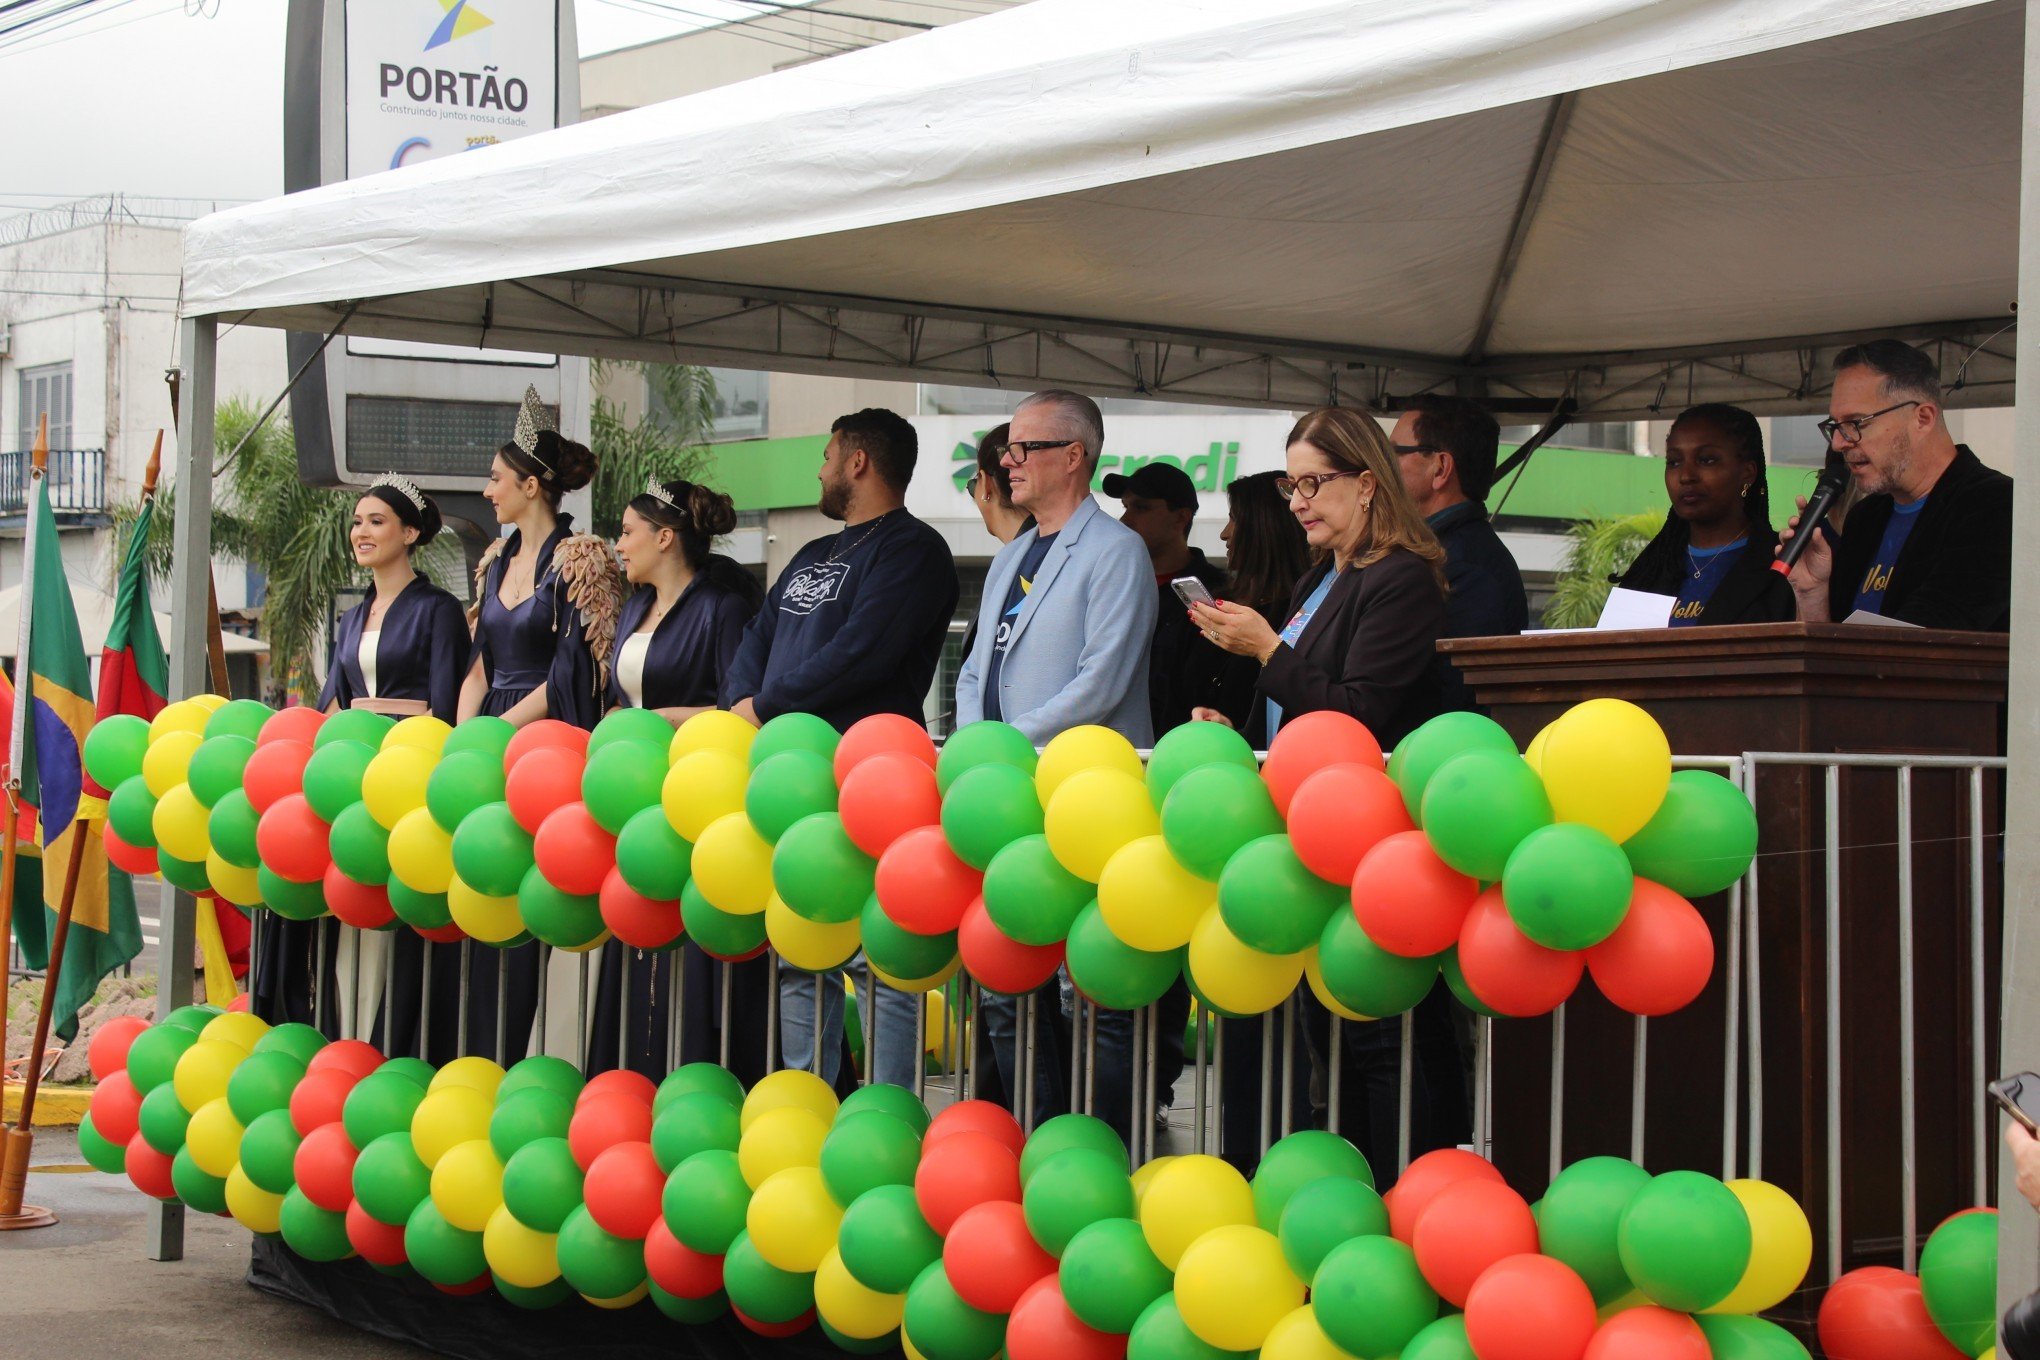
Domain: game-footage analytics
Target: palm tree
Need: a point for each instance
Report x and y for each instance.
(1596, 550)
(669, 441)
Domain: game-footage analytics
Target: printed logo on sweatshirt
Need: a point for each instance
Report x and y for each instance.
(813, 586)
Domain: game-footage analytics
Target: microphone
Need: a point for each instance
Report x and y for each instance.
(1827, 488)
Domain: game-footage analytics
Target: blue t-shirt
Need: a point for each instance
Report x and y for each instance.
(1294, 630)
(1709, 566)
(1876, 580)
(1016, 596)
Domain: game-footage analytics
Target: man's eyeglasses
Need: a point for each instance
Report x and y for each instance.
(1018, 452)
(1308, 484)
(1851, 430)
(1407, 450)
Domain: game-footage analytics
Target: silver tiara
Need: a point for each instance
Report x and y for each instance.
(658, 492)
(533, 418)
(403, 486)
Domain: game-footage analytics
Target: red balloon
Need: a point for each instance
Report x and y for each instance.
(296, 723)
(1424, 1180)
(546, 733)
(245, 1001)
(976, 1116)
(602, 1123)
(352, 1056)
(472, 1287)
(1339, 814)
(109, 1049)
(961, 1171)
(363, 905)
(1408, 900)
(291, 840)
(324, 1168)
(676, 1267)
(446, 934)
(622, 1190)
(884, 798)
(990, 1257)
(639, 921)
(922, 886)
(997, 960)
(116, 1107)
(544, 781)
(1510, 972)
(1043, 1328)
(618, 1081)
(1649, 1334)
(1467, 1227)
(149, 1169)
(1311, 742)
(1529, 1308)
(379, 1244)
(275, 772)
(318, 1099)
(1660, 957)
(776, 1330)
(1878, 1313)
(573, 851)
(879, 733)
(132, 859)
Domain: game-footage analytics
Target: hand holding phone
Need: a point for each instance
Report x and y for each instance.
(2019, 1096)
(1191, 591)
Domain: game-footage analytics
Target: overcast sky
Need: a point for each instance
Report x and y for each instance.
(184, 98)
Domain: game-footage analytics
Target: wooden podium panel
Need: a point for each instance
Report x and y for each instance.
(1821, 689)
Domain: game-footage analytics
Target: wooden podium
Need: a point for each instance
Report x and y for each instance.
(1821, 689)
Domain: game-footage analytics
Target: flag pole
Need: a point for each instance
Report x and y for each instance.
(21, 1138)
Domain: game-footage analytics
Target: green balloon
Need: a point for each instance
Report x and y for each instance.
(898, 952)
(706, 1077)
(1958, 1278)
(942, 1326)
(333, 774)
(987, 808)
(724, 934)
(131, 812)
(114, 748)
(705, 1201)
(787, 787)
(693, 1312)
(1214, 810)
(1366, 978)
(419, 910)
(620, 781)
(596, 1262)
(164, 1118)
(416, 1069)
(1455, 978)
(188, 874)
(300, 1041)
(527, 1116)
(563, 920)
(1732, 1336)
(1109, 1275)
(762, 1290)
(1684, 1240)
(1294, 1162)
(356, 725)
(313, 1233)
(631, 726)
(817, 869)
(1191, 747)
(985, 742)
(290, 900)
(866, 1150)
(1272, 902)
(194, 1018)
(491, 853)
(1370, 1298)
(896, 1101)
(1066, 1131)
(542, 1185)
(152, 1057)
(1030, 896)
(1578, 1217)
(100, 1152)
(1479, 806)
(1075, 1188)
(484, 732)
(263, 1082)
(697, 1121)
(1161, 1334)
(1567, 886)
(1701, 840)
(1324, 1213)
(549, 1295)
(1113, 973)
(198, 1189)
(1445, 1339)
(439, 1251)
(794, 732)
(269, 1151)
(461, 784)
(859, 1345)
(216, 767)
(544, 1072)
(653, 858)
(361, 847)
(1423, 752)
(231, 828)
(380, 1103)
(238, 718)
(885, 1242)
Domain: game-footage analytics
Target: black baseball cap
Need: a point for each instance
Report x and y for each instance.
(1164, 482)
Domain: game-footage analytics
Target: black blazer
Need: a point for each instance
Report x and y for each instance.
(1955, 570)
(1367, 651)
(1750, 593)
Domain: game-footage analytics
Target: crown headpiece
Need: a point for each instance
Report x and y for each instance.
(657, 491)
(533, 418)
(403, 486)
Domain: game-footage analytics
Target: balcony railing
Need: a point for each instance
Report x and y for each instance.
(77, 481)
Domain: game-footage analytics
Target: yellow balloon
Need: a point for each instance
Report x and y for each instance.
(253, 1207)
(492, 920)
(240, 886)
(394, 783)
(780, 1139)
(202, 1071)
(916, 986)
(1144, 1176)
(179, 821)
(525, 1257)
(1083, 748)
(445, 1119)
(1606, 763)
(1781, 1249)
(1298, 1337)
(182, 716)
(167, 759)
(208, 703)
(809, 945)
(1149, 900)
(421, 730)
(1315, 976)
(1233, 1286)
(702, 787)
(621, 1301)
(849, 1307)
(479, 1073)
(792, 1220)
(240, 1028)
(732, 864)
(935, 1029)
(1621, 1304)
(1191, 1196)
(420, 852)
(214, 1137)
(907, 1346)
(1093, 814)
(1533, 755)
(588, 948)
(1235, 977)
(713, 730)
(790, 1088)
(467, 1185)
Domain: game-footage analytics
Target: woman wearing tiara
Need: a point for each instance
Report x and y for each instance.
(675, 638)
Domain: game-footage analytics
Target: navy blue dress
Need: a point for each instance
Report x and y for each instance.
(539, 642)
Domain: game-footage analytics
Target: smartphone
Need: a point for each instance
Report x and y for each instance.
(1191, 591)
(2019, 1096)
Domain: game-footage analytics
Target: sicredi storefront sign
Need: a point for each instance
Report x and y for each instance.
(427, 79)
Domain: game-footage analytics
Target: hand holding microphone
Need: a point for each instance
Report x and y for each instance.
(1803, 536)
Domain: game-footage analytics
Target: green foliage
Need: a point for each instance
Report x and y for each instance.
(668, 441)
(1596, 549)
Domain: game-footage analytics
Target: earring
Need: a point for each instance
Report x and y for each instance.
(1745, 492)
(1367, 506)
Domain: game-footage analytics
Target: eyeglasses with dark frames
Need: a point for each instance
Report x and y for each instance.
(1020, 450)
(1851, 430)
(1307, 485)
(1407, 450)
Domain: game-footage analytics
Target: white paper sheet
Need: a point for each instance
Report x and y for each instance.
(1636, 609)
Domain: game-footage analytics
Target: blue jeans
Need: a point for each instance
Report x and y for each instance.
(895, 1048)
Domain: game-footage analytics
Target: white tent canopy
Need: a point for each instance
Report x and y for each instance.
(1274, 202)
